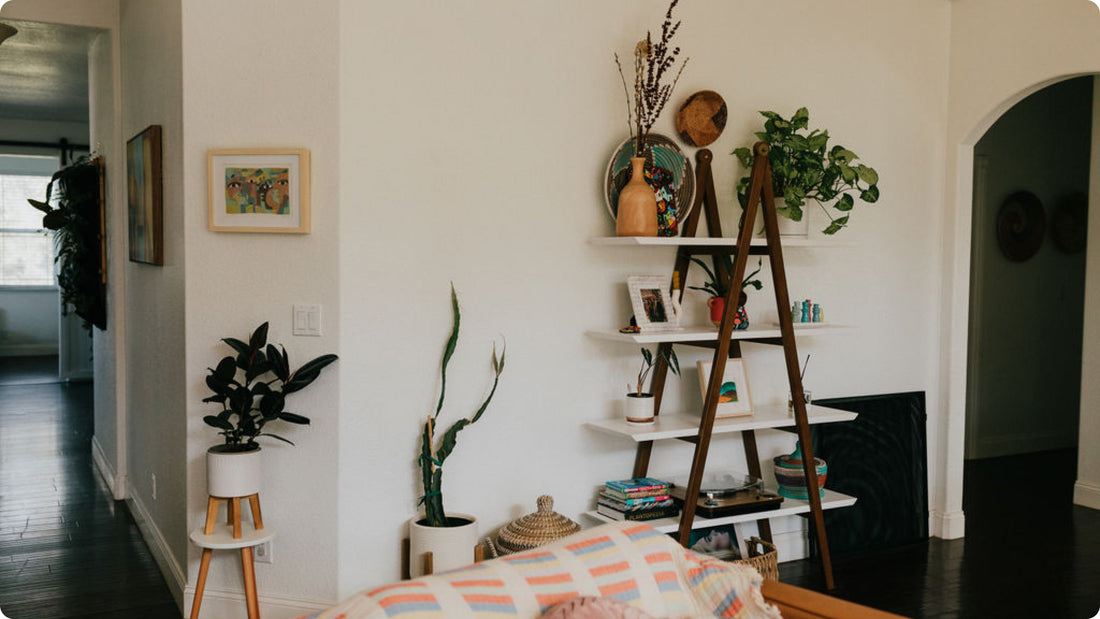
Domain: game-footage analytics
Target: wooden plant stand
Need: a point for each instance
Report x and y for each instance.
(233, 535)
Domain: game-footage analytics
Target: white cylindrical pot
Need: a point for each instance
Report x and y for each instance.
(233, 473)
(451, 547)
(639, 408)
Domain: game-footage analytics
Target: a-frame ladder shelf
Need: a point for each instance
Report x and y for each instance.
(679, 426)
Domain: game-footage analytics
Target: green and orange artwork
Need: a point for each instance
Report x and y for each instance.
(257, 190)
(727, 392)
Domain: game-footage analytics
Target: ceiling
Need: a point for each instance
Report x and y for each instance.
(44, 72)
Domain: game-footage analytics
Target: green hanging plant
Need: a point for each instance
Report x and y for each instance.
(76, 226)
(432, 452)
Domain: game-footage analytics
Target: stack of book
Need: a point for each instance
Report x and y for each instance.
(636, 499)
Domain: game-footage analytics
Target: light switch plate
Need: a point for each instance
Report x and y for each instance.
(307, 320)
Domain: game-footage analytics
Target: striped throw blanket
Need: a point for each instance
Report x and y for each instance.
(628, 561)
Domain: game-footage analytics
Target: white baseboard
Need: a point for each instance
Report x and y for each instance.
(115, 482)
(225, 604)
(947, 525)
(28, 350)
(1086, 494)
(174, 574)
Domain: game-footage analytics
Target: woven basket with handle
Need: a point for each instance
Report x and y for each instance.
(763, 557)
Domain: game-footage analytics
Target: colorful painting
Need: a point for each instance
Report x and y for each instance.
(260, 190)
(257, 190)
(733, 393)
(144, 197)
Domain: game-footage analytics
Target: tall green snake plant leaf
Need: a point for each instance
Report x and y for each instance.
(432, 455)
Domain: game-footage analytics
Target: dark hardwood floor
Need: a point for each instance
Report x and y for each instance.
(66, 548)
(1028, 552)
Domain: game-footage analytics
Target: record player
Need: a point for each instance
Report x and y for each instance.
(728, 494)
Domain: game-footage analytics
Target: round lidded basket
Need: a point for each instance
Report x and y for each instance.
(534, 530)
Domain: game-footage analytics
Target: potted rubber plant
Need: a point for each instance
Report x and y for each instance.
(450, 537)
(639, 402)
(252, 387)
(719, 292)
(804, 168)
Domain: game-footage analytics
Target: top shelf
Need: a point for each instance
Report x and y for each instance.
(710, 334)
(706, 241)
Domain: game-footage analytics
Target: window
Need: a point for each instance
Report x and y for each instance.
(26, 249)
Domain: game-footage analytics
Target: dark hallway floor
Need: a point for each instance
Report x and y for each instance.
(1028, 552)
(67, 549)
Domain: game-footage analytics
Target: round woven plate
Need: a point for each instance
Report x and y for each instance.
(664, 153)
(701, 118)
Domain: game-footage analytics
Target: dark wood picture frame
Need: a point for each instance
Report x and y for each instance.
(145, 203)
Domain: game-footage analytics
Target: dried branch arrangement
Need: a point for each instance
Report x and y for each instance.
(652, 63)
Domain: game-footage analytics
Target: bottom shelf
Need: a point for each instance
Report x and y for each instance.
(790, 507)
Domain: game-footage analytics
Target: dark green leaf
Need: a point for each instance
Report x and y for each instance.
(836, 225)
(258, 339)
(240, 347)
(293, 418)
(279, 364)
(845, 203)
(867, 174)
(217, 422)
(275, 436)
(226, 369)
(870, 195)
(271, 404)
(42, 206)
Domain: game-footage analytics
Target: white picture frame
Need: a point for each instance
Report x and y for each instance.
(282, 206)
(652, 303)
(735, 388)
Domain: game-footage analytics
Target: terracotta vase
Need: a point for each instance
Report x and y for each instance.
(637, 210)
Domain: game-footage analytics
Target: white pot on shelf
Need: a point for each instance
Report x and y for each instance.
(787, 226)
(639, 408)
(233, 473)
(451, 546)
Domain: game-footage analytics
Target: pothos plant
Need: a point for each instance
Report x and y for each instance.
(805, 168)
(434, 452)
(76, 225)
(647, 366)
(252, 387)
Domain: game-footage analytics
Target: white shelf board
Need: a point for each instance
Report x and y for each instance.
(669, 426)
(789, 507)
(697, 241)
(222, 537)
(707, 334)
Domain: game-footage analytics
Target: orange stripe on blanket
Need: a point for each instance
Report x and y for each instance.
(477, 583)
(588, 542)
(658, 557)
(549, 599)
(399, 585)
(488, 599)
(637, 529)
(386, 602)
(611, 568)
(619, 587)
(664, 576)
(733, 609)
(552, 579)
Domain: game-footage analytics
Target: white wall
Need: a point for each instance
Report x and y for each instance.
(28, 321)
(1026, 317)
(260, 73)
(990, 72)
(474, 139)
(154, 320)
(1087, 490)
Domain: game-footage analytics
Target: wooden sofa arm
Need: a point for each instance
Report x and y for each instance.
(798, 603)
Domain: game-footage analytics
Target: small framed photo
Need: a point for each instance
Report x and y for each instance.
(653, 310)
(259, 190)
(144, 197)
(720, 542)
(734, 399)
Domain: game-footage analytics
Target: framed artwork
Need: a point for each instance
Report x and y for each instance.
(734, 399)
(653, 309)
(259, 190)
(144, 201)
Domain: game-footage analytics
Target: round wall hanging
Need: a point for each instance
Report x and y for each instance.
(667, 170)
(1069, 224)
(701, 118)
(1021, 223)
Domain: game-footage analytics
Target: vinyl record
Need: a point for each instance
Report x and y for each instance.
(1021, 223)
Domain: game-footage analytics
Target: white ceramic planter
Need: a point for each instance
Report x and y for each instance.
(639, 408)
(451, 547)
(233, 473)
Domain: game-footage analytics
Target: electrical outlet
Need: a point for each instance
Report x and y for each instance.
(153, 476)
(264, 553)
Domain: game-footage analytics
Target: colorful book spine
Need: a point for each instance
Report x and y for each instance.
(622, 496)
(640, 507)
(618, 498)
(631, 486)
(615, 514)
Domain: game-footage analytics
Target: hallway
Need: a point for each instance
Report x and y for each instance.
(66, 548)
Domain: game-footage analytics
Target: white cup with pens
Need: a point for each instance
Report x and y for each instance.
(805, 392)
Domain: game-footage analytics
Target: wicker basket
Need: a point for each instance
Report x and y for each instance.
(533, 530)
(763, 557)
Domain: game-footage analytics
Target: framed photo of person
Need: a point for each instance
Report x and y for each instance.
(653, 309)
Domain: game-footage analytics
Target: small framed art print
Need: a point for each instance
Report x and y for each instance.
(653, 309)
(259, 190)
(734, 399)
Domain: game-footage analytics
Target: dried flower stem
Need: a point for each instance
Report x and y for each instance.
(626, 91)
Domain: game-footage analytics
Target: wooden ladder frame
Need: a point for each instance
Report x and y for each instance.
(760, 198)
